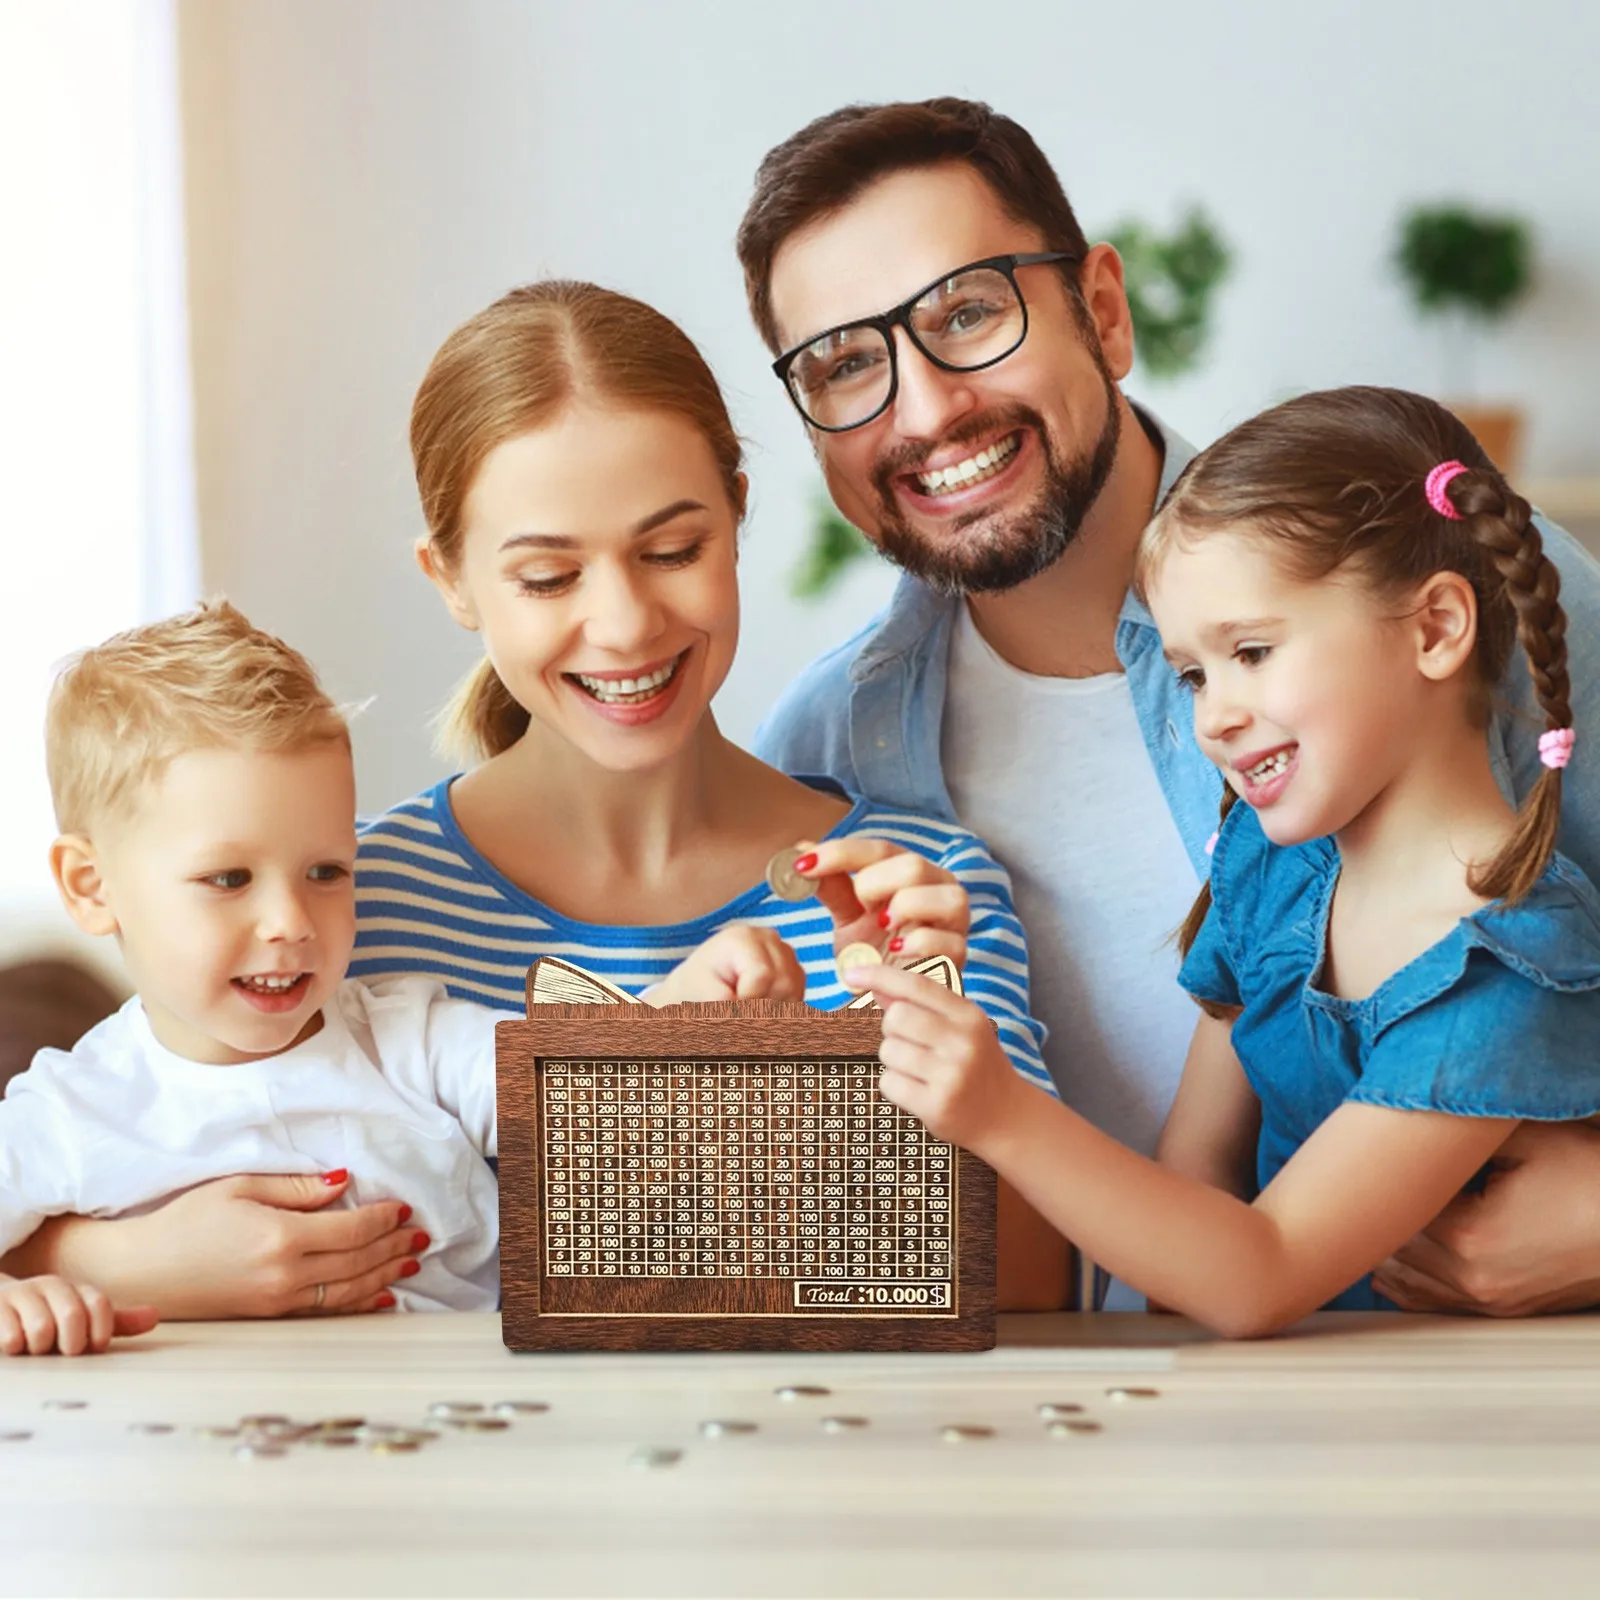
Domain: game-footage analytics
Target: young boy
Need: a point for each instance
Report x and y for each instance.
(203, 786)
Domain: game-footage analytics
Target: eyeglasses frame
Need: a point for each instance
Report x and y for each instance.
(900, 317)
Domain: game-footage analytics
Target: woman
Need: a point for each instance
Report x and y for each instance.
(582, 488)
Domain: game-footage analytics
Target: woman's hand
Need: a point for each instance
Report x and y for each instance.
(882, 894)
(741, 962)
(41, 1315)
(942, 1060)
(238, 1247)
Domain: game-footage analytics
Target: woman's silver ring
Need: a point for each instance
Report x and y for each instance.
(322, 1294)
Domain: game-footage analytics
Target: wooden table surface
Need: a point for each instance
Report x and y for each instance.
(1357, 1456)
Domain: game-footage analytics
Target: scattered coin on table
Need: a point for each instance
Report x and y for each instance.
(725, 1427)
(65, 1405)
(260, 1452)
(965, 1432)
(393, 1447)
(784, 881)
(1065, 1428)
(151, 1427)
(14, 1435)
(479, 1424)
(521, 1408)
(801, 1391)
(647, 1460)
(455, 1408)
(842, 1424)
(1125, 1393)
(1055, 1410)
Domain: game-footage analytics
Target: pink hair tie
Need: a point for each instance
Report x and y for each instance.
(1435, 486)
(1211, 843)
(1555, 747)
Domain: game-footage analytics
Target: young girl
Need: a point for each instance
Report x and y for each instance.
(581, 484)
(1395, 965)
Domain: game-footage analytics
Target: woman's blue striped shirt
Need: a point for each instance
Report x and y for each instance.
(428, 903)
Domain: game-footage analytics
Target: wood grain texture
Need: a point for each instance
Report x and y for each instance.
(726, 1176)
(1362, 1454)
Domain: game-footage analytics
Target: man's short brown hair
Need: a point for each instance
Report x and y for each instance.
(824, 166)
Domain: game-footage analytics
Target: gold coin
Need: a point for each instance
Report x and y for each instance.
(856, 955)
(842, 1424)
(784, 881)
(394, 1447)
(964, 1432)
(1132, 1392)
(1065, 1428)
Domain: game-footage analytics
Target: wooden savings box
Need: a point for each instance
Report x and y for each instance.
(726, 1177)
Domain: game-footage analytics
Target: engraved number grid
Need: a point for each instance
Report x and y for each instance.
(730, 1169)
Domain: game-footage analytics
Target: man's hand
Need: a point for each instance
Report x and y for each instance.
(1529, 1243)
(41, 1315)
(741, 962)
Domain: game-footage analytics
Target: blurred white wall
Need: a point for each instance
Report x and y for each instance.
(95, 451)
(365, 174)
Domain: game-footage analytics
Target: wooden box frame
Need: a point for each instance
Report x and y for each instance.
(642, 1312)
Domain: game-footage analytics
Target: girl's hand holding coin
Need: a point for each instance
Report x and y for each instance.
(880, 894)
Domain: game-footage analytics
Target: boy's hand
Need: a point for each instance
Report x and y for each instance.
(942, 1061)
(38, 1315)
(882, 894)
(742, 962)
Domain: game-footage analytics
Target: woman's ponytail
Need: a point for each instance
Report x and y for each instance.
(481, 719)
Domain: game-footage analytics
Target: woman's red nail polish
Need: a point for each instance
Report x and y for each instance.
(405, 1212)
(806, 862)
(897, 944)
(385, 1301)
(884, 919)
(336, 1177)
(409, 1269)
(420, 1241)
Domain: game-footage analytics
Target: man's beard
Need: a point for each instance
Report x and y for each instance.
(985, 552)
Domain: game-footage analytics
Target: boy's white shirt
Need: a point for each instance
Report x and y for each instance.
(398, 1086)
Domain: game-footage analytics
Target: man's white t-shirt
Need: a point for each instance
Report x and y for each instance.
(1053, 775)
(398, 1087)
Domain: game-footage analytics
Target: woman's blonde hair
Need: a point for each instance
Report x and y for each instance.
(205, 679)
(515, 367)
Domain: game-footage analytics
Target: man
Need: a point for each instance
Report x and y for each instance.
(955, 346)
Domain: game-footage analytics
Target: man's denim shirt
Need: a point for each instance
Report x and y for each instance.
(868, 712)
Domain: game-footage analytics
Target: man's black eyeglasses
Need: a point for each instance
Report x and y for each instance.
(962, 322)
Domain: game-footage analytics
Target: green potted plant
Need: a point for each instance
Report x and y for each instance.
(1469, 269)
(1171, 280)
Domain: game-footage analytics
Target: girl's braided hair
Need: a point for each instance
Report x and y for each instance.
(1335, 480)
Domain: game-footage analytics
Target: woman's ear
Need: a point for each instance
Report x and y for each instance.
(76, 869)
(1444, 619)
(440, 576)
(741, 497)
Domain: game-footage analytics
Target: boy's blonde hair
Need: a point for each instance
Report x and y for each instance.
(205, 679)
